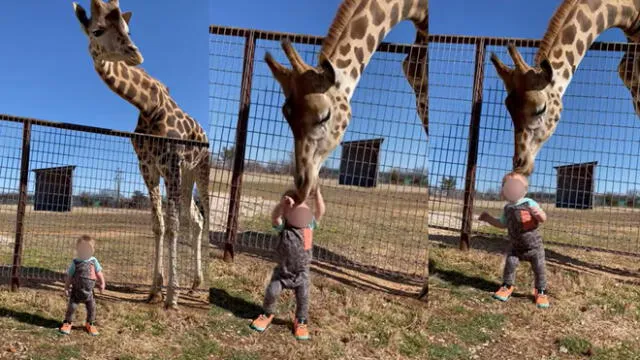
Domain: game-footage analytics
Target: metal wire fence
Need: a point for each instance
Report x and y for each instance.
(61, 181)
(379, 222)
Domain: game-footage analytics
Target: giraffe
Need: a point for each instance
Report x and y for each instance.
(317, 105)
(534, 98)
(115, 59)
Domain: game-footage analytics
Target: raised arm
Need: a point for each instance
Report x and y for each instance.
(493, 221)
(319, 208)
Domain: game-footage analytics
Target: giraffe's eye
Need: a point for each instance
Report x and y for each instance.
(540, 111)
(98, 32)
(325, 118)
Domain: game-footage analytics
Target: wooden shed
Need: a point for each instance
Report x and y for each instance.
(359, 162)
(54, 189)
(575, 185)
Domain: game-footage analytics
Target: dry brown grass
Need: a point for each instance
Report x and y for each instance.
(352, 317)
(595, 304)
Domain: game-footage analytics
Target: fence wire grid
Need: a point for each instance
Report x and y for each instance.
(387, 186)
(585, 176)
(81, 180)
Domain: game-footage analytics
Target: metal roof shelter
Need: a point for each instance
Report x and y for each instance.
(575, 185)
(359, 162)
(54, 187)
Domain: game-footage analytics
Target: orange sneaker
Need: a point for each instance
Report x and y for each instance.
(65, 328)
(262, 322)
(300, 330)
(542, 300)
(504, 293)
(92, 330)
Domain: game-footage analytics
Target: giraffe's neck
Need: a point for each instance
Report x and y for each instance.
(357, 32)
(134, 85)
(586, 20)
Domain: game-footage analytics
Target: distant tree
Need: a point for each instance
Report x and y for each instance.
(226, 156)
(394, 177)
(86, 200)
(448, 183)
(138, 200)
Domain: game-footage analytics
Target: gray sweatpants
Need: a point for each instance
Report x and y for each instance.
(91, 310)
(535, 256)
(298, 283)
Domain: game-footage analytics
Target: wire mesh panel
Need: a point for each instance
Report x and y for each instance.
(586, 175)
(84, 182)
(11, 134)
(376, 201)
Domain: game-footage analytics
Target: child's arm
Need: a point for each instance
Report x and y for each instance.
(276, 215)
(539, 214)
(67, 279)
(320, 208)
(67, 285)
(101, 281)
(100, 276)
(492, 220)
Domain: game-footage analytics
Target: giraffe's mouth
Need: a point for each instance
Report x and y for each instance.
(134, 60)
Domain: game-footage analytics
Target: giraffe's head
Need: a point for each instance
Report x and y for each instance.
(317, 111)
(108, 32)
(534, 106)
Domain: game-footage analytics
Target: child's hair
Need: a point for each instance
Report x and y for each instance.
(517, 176)
(86, 239)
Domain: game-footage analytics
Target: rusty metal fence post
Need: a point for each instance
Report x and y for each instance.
(22, 205)
(472, 154)
(240, 146)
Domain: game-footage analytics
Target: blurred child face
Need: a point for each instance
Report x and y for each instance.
(84, 250)
(513, 190)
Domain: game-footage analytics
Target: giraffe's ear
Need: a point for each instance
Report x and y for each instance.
(127, 16)
(281, 73)
(331, 73)
(547, 70)
(81, 14)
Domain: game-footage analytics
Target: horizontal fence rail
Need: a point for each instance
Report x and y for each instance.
(60, 181)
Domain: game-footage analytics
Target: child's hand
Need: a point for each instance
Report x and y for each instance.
(102, 287)
(287, 201)
(537, 213)
(67, 293)
(484, 216)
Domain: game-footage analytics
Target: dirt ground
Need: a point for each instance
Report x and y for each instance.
(353, 316)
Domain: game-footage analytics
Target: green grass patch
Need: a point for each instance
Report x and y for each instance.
(449, 352)
(412, 345)
(625, 351)
(575, 345)
(471, 330)
(198, 346)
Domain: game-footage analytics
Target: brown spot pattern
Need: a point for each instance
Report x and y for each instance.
(343, 63)
(600, 23)
(344, 49)
(377, 14)
(612, 13)
(569, 34)
(359, 28)
(395, 14)
(594, 4)
(354, 73)
(584, 21)
(371, 43)
(359, 54)
(580, 47)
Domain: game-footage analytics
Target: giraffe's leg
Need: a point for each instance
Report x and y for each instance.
(202, 182)
(629, 72)
(152, 180)
(191, 223)
(173, 182)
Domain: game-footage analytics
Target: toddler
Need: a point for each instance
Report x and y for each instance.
(521, 217)
(81, 278)
(295, 223)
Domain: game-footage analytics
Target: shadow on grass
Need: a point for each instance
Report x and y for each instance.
(28, 318)
(238, 306)
(499, 244)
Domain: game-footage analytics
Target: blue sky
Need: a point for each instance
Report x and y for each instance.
(49, 75)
